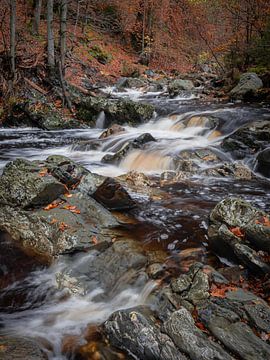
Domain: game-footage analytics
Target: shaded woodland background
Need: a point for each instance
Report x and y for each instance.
(101, 38)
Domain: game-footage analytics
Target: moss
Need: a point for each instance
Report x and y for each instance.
(99, 54)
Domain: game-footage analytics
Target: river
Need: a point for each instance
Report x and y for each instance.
(30, 303)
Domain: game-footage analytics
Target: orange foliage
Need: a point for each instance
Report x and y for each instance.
(237, 232)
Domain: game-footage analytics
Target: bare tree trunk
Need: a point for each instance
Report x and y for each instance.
(143, 25)
(63, 34)
(50, 36)
(13, 35)
(37, 12)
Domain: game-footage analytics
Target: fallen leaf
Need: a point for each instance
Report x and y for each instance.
(68, 195)
(54, 221)
(51, 206)
(94, 240)
(76, 211)
(237, 232)
(63, 226)
(201, 326)
(3, 348)
(221, 291)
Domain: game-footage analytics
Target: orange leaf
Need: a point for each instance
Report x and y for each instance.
(68, 195)
(237, 232)
(75, 211)
(221, 292)
(53, 205)
(201, 326)
(63, 226)
(94, 240)
(54, 221)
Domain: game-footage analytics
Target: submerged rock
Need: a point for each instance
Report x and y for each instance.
(248, 84)
(241, 229)
(130, 145)
(116, 111)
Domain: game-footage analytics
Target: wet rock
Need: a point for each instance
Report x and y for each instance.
(129, 82)
(248, 140)
(46, 118)
(136, 179)
(86, 145)
(263, 162)
(237, 336)
(137, 143)
(116, 111)
(193, 286)
(25, 184)
(248, 84)
(65, 170)
(236, 170)
(134, 331)
(113, 130)
(241, 228)
(113, 196)
(16, 348)
(180, 327)
(176, 86)
(259, 316)
(123, 261)
(63, 229)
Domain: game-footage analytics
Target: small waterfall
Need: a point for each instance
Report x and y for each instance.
(100, 122)
(147, 161)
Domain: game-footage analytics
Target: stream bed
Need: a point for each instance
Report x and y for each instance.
(170, 223)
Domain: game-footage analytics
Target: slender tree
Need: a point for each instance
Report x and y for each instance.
(50, 36)
(13, 35)
(63, 34)
(36, 20)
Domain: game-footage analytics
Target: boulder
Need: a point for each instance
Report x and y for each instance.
(46, 118)
(113, 196)
(248, 84)
(178, 85)
(122, 261)
(235, 335)
(113, 130)
(134, 330)
(242, 230)
(26, 184)
(119, 111)
(248, 140)
(180, 327)
(137, 143)
(17, 348)
(130, 82)
(236, 170)
(263, 163)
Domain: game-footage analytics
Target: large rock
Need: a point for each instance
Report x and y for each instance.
(248, 84)
(113, 196)
(192, 341)
(122, 261)
(237, 336)
(137, 143)
(178, 85)
(25, 184)
(44, 117)
(241, 229)
(116, 111)
(42, 221)
(263, 162)
(248, 140)
(134, 330)
(17, 348)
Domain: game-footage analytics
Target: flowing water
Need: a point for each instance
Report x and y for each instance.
(30, 302)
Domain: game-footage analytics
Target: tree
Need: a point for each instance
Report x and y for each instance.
(50, 36)
(13, 36)
(36, 20)
(63, 34)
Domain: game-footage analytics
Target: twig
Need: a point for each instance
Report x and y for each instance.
(35, 86)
